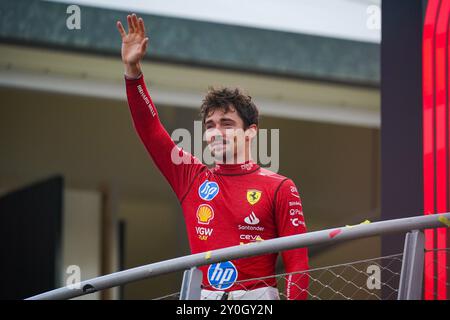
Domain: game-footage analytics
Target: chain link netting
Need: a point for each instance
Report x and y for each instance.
(172, 296)
(372, 279)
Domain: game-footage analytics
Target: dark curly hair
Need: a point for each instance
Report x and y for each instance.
(227, 99)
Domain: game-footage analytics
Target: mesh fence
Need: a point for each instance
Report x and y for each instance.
(372, 279)
(172, 296)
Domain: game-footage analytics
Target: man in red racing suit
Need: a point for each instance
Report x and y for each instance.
(234, 202)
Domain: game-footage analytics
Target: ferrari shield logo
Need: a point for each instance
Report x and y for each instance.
(253, 196)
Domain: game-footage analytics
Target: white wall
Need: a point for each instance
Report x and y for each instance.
(82, 235)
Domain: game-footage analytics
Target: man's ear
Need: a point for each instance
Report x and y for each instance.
(251, 132)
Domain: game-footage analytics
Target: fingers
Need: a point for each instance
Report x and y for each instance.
(134, 20)
(121, 29)
(141, 26)
(135, 25)
(144, 45)
(130, 24)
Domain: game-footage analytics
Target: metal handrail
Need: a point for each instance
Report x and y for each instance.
(236, 252)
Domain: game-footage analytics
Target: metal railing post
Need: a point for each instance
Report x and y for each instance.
(411, 276)
(191, 285)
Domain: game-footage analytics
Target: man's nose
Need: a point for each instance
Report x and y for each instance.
(218, 135)
(214, 134)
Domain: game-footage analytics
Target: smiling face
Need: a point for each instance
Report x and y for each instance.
(228, 139)
(231, 119)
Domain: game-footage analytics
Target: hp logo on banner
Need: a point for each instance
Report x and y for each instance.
(222, 275)
(208, 190)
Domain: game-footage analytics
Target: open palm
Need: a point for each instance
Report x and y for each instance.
(134, 44)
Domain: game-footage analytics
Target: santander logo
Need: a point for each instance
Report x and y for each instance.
(252, 219)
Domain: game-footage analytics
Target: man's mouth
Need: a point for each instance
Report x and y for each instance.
(218, 143)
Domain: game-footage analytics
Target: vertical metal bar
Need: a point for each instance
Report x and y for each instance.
(192, 284)
(415, 278)
(184, 284)
(404, 273)
(411, 276)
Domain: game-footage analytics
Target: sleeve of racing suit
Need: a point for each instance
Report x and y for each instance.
(178, 166)
(290, 221)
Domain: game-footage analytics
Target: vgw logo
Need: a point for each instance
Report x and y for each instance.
(208, 190)
(222, 275)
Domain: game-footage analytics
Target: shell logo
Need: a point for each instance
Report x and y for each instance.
(205, 214)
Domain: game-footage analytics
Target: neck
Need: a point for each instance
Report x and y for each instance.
(235, 168)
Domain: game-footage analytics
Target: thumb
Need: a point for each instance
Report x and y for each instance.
(144, 45)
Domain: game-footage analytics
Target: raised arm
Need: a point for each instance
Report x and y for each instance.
(177, 166)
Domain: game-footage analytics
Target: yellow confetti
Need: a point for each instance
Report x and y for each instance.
(208, 255)
(444, 220)
(364, 222)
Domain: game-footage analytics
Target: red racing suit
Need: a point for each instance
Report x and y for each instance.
(226, 206)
